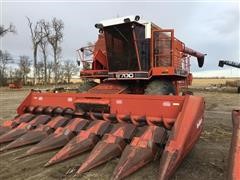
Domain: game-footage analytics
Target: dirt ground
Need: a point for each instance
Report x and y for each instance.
(207, 160)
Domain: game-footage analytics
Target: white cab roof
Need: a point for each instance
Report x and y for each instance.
(120, 20)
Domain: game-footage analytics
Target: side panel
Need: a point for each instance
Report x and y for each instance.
(184, 135)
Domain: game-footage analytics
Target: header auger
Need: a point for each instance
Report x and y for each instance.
(135, 112)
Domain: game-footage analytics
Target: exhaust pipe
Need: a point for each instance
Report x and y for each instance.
(198, 55)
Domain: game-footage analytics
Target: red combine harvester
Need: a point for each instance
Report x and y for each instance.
(234, 152)
(135, 113)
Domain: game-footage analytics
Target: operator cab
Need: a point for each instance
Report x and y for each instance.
(127, 48)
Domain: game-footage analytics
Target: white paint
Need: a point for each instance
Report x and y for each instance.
(35, 97)
(69, 99)
(119, 101)
(148, 31)
(199, 123)
(120, 20)
(40, 98)
(166, 103)
(176, 104)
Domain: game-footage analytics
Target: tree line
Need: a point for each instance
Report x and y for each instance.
(45, 66)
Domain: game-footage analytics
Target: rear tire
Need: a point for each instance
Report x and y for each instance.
(160, 87)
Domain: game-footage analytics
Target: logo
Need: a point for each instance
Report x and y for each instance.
(124, 75)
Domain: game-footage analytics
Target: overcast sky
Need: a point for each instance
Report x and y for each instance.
(211, 28)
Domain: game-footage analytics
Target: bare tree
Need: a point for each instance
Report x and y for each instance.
(40, 71)
(37, 34)
(24, 67)
(5, 59)
(70, 69)
(49, 71)
(60, 73)
(17, 75)
(43, 45)
(54, 33)
(4, 30)
(10, 74)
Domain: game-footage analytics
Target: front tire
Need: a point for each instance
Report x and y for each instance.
(85, 86)
(160, 87)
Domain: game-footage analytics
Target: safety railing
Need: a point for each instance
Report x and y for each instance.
(85, 55)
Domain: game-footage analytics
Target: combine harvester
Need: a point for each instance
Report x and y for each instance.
(135, 113)
(235, 83)
(234, 152)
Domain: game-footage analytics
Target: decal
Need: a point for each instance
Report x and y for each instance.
(119, 101)
(175, 104)
(124, 75)
(166, 103)
(69, 99)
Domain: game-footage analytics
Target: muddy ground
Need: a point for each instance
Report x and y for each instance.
(208, 159)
